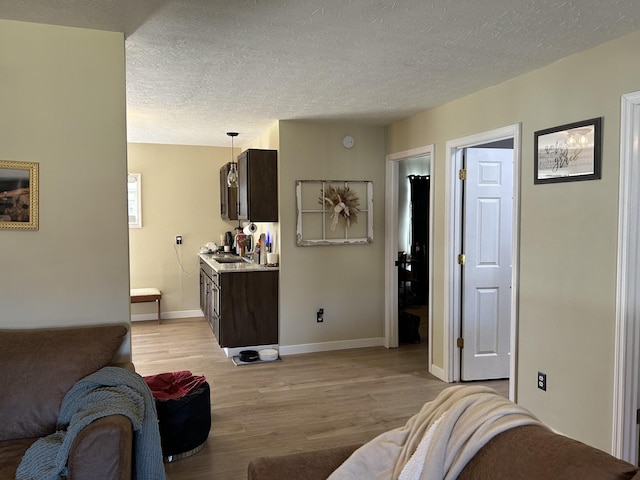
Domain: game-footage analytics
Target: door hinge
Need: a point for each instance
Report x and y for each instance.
(460, 342)
(462, 174)
(462, 259)
(638, 416)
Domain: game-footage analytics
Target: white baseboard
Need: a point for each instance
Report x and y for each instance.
(142, 317)
(437, 372)
(328, 346)
(310, 347)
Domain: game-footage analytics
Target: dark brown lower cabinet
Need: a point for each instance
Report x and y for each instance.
(248, 308)
(241, 307)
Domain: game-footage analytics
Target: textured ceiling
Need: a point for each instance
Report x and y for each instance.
(199, 68)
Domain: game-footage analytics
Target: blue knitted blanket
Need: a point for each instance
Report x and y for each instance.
(109, 391)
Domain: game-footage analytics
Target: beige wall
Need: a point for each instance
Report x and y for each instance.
(268, 140)
(180, 196)
(568, 233)
(63, 106)
(347, 281)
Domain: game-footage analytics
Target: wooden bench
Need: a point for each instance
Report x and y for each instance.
(143, 295)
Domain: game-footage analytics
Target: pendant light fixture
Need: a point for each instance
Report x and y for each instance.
(232, 177)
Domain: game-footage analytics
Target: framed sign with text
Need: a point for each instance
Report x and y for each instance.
(568, 153)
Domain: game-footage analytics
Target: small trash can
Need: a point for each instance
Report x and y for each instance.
(183, 402)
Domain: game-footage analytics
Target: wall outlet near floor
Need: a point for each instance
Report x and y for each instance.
(542, 381)
(320, 315)
(178, 239)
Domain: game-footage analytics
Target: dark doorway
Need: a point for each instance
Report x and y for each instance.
(413, 254)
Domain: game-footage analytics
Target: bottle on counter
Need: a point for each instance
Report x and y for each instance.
(242, 242)
(263, 249)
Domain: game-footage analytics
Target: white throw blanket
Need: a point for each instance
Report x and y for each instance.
(452, 428)
(109, 391)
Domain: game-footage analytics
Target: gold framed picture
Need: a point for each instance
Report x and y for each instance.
(18, 195)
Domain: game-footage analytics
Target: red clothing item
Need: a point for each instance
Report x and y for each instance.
(165, 386)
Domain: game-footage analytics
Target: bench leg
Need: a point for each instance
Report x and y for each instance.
(158, 302)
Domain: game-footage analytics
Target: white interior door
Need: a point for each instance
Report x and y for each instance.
(486, 274)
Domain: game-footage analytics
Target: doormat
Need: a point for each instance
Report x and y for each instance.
(236, 361)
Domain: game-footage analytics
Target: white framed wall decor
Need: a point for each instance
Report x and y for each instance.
(334, 212)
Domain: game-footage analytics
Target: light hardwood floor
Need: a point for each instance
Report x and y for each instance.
(301, 403)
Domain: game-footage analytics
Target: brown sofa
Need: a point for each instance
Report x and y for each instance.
(38, 367)
(523, 453)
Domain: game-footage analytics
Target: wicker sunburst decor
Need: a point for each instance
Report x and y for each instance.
(343, 204)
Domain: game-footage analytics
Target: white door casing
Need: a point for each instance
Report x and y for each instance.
(452, 245)
(391, 247)
(626, 382)
(486, 273)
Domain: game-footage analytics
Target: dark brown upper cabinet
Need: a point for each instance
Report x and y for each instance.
(258, 185)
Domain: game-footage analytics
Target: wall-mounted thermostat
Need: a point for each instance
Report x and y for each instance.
(348, 141)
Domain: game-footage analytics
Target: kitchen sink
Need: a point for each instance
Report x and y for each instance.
(229, 259)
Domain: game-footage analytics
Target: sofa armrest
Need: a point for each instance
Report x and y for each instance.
(316, 465)
(103, 450)
(534, 451)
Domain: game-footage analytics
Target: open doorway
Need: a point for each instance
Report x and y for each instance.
(414, 187)
(408, 250)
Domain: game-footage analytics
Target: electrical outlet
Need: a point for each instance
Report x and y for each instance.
(320, 315)
(542, 381)
(178, 239)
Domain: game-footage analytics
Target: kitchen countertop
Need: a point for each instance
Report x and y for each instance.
(234, 267)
